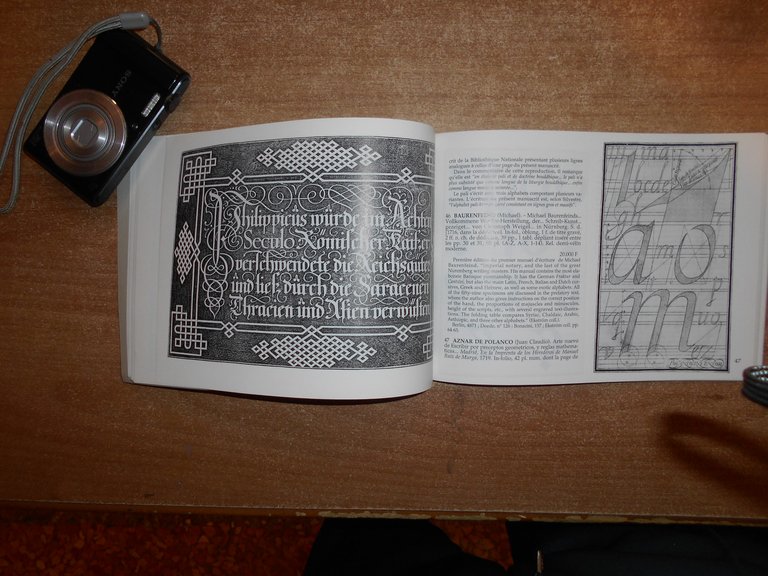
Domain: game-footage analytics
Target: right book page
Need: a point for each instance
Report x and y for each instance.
(565, 257)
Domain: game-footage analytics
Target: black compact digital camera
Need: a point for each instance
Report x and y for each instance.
(106, 114)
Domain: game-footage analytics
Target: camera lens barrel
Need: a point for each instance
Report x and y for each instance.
(84, 132)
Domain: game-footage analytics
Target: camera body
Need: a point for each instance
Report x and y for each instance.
(106, 114)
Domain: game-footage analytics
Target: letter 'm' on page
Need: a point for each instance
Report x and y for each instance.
(666, 257)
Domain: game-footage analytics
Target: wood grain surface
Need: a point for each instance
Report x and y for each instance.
(73, 434)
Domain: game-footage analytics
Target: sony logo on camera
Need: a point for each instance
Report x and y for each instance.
(121, 83)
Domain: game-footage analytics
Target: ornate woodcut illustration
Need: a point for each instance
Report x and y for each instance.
(665, 267)
(311, 253)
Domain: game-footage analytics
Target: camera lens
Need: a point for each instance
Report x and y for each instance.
(84, 132)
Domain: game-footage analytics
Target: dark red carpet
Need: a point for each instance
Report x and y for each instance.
(73, 542)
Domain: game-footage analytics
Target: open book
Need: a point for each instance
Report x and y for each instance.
(363, 258)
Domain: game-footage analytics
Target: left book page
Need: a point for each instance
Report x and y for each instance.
(290, 260)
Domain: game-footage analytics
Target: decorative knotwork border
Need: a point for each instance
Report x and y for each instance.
(325, 162)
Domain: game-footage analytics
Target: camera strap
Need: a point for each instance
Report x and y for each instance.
(42, 80)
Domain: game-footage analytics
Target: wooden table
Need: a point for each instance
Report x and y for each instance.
(72, 433)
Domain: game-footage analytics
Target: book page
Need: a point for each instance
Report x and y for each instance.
(576, 257)
(294, 260)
